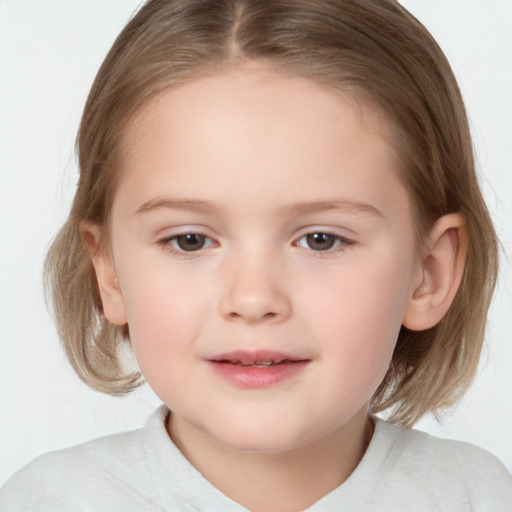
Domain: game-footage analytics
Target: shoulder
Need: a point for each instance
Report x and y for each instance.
(86, 474)
(452, 470)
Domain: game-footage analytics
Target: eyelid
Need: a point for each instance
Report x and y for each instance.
(343, 242)
(166, 241)
(208, 242)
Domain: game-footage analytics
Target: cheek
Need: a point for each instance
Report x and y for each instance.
(358, 316)
(165, 315)
(367, 295)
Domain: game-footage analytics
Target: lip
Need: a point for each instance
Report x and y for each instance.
(257, 369)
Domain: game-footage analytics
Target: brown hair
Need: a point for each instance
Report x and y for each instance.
(373, 47)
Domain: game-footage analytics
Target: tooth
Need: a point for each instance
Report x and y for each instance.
(255, 364)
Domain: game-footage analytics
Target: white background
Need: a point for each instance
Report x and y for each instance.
(49, 53)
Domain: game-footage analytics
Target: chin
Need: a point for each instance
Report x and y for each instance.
(262, 437)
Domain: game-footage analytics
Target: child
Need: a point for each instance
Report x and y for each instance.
(278, 212)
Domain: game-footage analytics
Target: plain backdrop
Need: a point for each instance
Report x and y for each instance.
(49, 53)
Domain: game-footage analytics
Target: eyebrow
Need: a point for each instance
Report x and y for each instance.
(302, 208)
(190, 205)
(308, 207)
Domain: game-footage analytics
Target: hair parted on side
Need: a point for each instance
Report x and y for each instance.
(372, 48)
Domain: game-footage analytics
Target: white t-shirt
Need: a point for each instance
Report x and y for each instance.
(402, 470)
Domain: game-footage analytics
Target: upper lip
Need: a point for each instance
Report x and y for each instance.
(255, 356)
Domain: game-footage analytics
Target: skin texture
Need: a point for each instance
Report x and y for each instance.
(254, 162)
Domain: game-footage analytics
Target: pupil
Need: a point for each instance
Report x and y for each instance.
(191, 242)
(320, 241)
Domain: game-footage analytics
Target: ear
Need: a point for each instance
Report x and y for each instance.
(110, 292)
(442, 267)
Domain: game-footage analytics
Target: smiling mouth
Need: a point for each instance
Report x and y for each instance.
(257, 369)
(256, 358)
(258, 364)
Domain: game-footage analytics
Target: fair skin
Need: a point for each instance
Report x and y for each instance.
(300, 242)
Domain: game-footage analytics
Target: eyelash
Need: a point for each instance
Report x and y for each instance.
(169, 241)
(340, 243)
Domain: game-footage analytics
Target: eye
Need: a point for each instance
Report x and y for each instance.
(322, 241)
(188, 242)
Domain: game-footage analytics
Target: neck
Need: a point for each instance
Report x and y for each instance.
(282, 482)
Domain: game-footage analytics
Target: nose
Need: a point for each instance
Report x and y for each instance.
(255, 290)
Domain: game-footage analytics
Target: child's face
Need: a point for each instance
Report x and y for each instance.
(300, 247)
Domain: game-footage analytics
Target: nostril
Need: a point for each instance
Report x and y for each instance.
(252, 302)
(255, 317)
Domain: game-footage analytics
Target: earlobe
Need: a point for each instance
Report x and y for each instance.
(442, 268)
(110, 291)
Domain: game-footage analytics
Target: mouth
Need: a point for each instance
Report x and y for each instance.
(257, 369)
(256, 359)
(257, 364)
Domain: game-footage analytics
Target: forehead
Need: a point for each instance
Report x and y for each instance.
(255, 89)
(255, 124)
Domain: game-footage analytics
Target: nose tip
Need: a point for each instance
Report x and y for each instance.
(254, 296)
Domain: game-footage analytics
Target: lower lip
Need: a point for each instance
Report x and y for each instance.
(258, 378)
